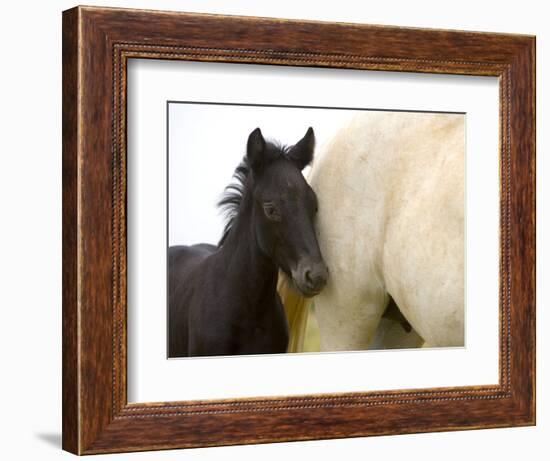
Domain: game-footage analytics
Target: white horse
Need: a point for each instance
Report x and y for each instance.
(390, 187)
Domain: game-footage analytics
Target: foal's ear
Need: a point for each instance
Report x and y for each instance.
(302, 152)
(255, 149)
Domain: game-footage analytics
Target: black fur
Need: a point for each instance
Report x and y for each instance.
(232, 197)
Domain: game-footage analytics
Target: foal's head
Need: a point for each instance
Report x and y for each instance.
(284, 208)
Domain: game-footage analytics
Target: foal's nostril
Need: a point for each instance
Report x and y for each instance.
(315, 278)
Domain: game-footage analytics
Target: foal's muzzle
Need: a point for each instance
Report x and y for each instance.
(310, 278)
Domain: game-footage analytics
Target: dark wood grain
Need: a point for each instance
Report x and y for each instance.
(97, 42)
(70, 388)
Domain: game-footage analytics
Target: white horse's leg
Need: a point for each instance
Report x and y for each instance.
(394, 331)
(423, 257)
(348, 322)
(425, 276)
(391, 335)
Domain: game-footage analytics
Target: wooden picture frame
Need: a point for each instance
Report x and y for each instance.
(97, 43)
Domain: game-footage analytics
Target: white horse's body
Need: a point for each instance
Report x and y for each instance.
(391, 221)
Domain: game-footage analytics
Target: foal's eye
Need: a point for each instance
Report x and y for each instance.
(271, 212)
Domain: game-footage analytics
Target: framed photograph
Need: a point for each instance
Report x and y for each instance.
(281, 230)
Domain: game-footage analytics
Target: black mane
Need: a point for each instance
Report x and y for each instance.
(232, 197)
(233, 194)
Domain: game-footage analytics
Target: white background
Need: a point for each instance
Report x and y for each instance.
(195, 147)
(30, 247)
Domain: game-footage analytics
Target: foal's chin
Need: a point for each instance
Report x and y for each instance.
(299, 287)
